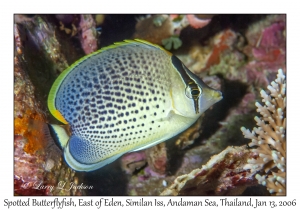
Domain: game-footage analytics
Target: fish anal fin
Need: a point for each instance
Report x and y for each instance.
(80, 156)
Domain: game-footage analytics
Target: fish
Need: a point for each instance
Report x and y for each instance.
(123, 98)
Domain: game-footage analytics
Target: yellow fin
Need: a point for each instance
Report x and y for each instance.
(51, 98)
(148, 43)
(59, 116)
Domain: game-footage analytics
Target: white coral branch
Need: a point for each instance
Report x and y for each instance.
(269, 137)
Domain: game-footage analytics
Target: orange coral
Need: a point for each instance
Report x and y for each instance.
(223, 43)
(31, 127)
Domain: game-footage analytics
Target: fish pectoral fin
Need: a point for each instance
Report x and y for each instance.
(167, 117)
(81, 155)
(170, 115)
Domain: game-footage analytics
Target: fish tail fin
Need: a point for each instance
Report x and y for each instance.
(80, 156)
(59, 134)
(52, 147)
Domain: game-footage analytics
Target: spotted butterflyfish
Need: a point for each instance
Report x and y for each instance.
(125, 97)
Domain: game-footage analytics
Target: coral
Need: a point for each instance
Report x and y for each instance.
(256, 36)
(159, 20)
(212, 81)
(60, 179)
(42, 173)
(188, 137)
(28, 168)
(197, 22)
(67, 23)
(165, 29)
(42, 34)
(19, 18)
(221, 42)
(224, 174)
(157, 158)
(229, 64)
(29, 155)
(133, 161)
(89, 34)
(217, 52)
(269, 139)
(171, 42)
(27, 110)
(72, 31)
(266, 49)
(268, 45)
(38, 165)
(253, 58)
(196, 58)
(154, 32)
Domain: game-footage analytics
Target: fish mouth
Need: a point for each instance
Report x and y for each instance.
(217, 95)
(209, 98)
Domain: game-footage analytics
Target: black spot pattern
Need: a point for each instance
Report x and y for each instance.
(114, 100)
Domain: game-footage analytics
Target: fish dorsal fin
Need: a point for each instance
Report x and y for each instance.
(138, 42)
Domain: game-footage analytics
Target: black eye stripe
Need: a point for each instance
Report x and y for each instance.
(189, 82)
(179, 67)
(186, 78)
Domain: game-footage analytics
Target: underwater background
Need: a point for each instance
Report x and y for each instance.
(237, 54)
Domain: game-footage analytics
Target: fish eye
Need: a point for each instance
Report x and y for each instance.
(192, 91)
(195, 93)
